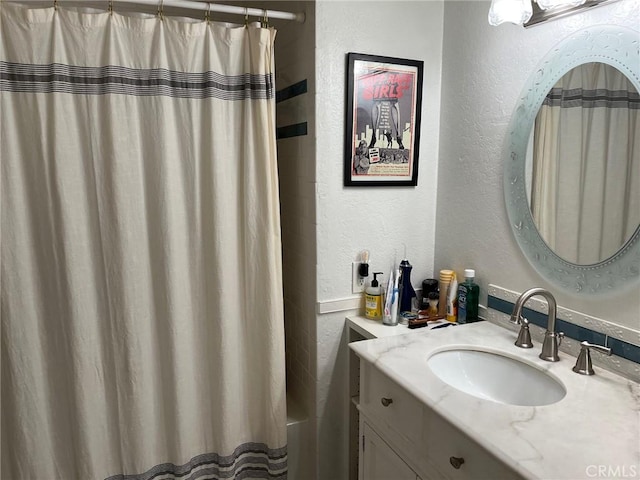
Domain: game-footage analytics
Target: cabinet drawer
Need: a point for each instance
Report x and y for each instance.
(389, 404)
(447, 447)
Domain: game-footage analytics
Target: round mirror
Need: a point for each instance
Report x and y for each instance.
(583, 164)
(572, 175)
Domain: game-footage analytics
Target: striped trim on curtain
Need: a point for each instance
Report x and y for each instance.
(251, 460)
(114, 79)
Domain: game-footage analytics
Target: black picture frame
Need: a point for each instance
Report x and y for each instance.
(384, 105)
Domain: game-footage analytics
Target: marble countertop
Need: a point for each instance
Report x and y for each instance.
(593, 432)
(375, 329)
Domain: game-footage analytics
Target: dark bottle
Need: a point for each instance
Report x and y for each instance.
(407, 293)
(468, 296)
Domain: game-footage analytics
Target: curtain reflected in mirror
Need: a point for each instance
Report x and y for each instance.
(584, 152)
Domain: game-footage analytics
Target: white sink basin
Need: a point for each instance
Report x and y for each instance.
(496, 377)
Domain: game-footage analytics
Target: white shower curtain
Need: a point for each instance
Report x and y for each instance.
(585, 197)
(142, 317)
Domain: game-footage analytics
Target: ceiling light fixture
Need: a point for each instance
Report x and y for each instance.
(512, 11)
(551, 4)
(519, 11)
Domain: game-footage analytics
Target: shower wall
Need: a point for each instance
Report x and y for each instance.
(295, 61)
(295, 84)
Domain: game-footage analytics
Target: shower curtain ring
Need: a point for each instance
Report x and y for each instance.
(207, 14)
(265, 19)
(110, 8)
(246, 17)
(161, 10)
(55, 5)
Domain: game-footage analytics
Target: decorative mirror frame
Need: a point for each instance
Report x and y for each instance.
(619, 47)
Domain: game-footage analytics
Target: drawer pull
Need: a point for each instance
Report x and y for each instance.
(386, 401)
(456, 462)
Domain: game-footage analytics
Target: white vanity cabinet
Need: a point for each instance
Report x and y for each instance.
(400, 437)
(417, 421)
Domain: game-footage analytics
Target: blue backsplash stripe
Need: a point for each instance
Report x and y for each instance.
(291, 91)
(624, 349)
(289, 131)
(571, 330)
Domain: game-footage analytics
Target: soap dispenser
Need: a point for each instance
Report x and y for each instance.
(373, 299)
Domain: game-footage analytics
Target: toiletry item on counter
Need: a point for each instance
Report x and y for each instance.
(452, 299)
(428, 285)
(432, 323)
(407, 293)
(468, 296)
(444, 325)
(445, 279)
(390, 316)
(406, 317)
(432, 307)
(373, 299)
(425, 315)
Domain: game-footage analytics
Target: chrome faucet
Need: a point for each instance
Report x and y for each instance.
(552, 339)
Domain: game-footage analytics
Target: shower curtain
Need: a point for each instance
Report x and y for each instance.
(142, 317)
(585, 195)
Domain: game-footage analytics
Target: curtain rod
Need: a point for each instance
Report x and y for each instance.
(191, 5)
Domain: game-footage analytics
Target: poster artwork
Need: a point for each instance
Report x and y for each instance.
(383, 120)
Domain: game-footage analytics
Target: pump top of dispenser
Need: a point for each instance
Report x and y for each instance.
(374, 282)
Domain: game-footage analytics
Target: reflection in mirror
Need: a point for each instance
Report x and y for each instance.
(583, 174)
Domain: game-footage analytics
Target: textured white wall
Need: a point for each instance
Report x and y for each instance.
(380, 219)
(484, 71)
(350, 219)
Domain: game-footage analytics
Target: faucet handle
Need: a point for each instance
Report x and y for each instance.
(524, 335)
(583, 364)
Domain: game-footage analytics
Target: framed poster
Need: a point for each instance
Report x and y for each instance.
(384, 100)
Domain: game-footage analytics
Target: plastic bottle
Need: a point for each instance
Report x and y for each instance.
(407, 293)
(452, 299)
(468, 296)
(445, 278)
(373, 299)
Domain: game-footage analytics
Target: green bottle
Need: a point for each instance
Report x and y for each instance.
(468, 296)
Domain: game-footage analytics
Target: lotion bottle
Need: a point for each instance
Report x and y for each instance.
(445, 279)
(373, 299)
